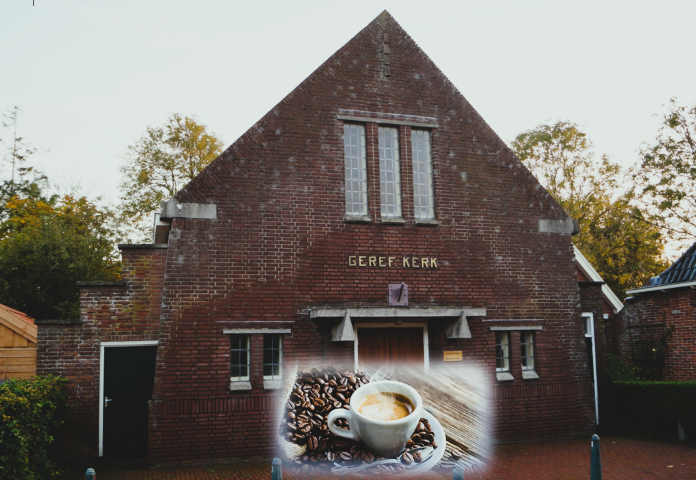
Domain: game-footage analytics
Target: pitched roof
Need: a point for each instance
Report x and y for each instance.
(588, 270)
(358, 76)
(683, 270)
(18, 322)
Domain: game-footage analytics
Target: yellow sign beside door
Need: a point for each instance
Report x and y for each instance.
(452, 356)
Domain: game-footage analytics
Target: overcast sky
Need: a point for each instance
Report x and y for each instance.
(91, 75)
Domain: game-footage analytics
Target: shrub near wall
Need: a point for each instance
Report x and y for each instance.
(655, 407)
(29, 415)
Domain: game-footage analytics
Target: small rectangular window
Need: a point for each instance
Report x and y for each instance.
(502, 352)
(423, 201)
(240, 358)
(356, 170)
(389, 174)
(272, 357)
(527, 350)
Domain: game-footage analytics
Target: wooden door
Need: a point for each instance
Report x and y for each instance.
(129, 376)
(378, 347)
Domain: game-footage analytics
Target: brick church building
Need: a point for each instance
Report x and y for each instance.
(371, 216)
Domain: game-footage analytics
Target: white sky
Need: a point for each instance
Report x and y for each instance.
(90, 75)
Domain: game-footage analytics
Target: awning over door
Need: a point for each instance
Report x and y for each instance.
(458, 327)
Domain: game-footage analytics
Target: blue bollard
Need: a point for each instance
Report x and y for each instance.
(90, 474)
(277, 469)
(458, 473)
(596, 460)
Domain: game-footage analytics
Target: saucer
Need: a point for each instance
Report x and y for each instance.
(440, 440)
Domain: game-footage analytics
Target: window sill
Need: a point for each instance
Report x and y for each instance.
(272, 384)
(504, 376)
(431, 222)
(357, 219)
(237, 385)
(529, 375)
(396, 221)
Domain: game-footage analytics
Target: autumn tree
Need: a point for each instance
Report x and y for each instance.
(615, 235)
(161, 162)
(666, 174)
(47, 246)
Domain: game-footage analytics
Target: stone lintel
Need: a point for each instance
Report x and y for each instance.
(397, 312)
(255, 331)
(173, 209)
(559, 226)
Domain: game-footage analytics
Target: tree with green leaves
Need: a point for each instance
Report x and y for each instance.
(162, 162)
(615, 235)
(46, 247)
(666, 174)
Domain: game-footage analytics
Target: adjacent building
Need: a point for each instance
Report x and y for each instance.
(656, 332)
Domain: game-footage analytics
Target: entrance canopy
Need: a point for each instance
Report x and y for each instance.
(458, 326)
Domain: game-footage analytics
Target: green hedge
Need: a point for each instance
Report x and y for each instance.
(618, 371)
(29, 415)
(655, 407)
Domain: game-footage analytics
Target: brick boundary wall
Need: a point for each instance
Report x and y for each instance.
(109, 312)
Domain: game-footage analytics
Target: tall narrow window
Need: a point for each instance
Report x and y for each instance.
(240, 358)
(389, 178)
(502, 352)
(272, 357)
(423, 202)
(527, 350)
(356, 170)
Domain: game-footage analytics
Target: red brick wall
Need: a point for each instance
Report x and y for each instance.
(125, 311)
(280, 245)
(674, 308)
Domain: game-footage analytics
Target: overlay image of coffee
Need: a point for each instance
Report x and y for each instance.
(314, 394)
(452, 430)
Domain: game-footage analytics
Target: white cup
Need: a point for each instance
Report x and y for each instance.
(384, 437)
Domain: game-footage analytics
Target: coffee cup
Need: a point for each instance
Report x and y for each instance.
(385, 428)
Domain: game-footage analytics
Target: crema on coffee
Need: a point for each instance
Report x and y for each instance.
(386, 406)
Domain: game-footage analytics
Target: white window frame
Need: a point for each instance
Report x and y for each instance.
(424, 326)
(355, 161)
(528, 372)
(588, 319)
(271, 382)
(503, 373)
(102, 346)
(241, 383)
(422, 172)
(389, 174)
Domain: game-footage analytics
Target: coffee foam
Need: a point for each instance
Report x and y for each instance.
(385, 406)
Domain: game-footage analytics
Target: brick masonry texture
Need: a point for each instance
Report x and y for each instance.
(280, 246)
(674, 308)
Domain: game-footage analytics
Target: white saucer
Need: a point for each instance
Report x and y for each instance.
(439, 439)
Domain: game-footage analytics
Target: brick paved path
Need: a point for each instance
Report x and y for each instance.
(622, 459)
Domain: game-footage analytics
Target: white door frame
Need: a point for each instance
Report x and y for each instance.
(591, 334)
(102, 346)
(423, 325)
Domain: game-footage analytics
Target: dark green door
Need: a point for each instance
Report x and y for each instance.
(129, 376)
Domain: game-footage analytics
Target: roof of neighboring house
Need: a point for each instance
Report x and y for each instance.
(18, 322)
(588, 270)
(683, 270)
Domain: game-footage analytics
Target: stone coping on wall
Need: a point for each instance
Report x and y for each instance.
(71, 321)
(129, 246)
(102, 284)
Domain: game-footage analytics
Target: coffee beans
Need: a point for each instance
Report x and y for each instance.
(315, 394)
